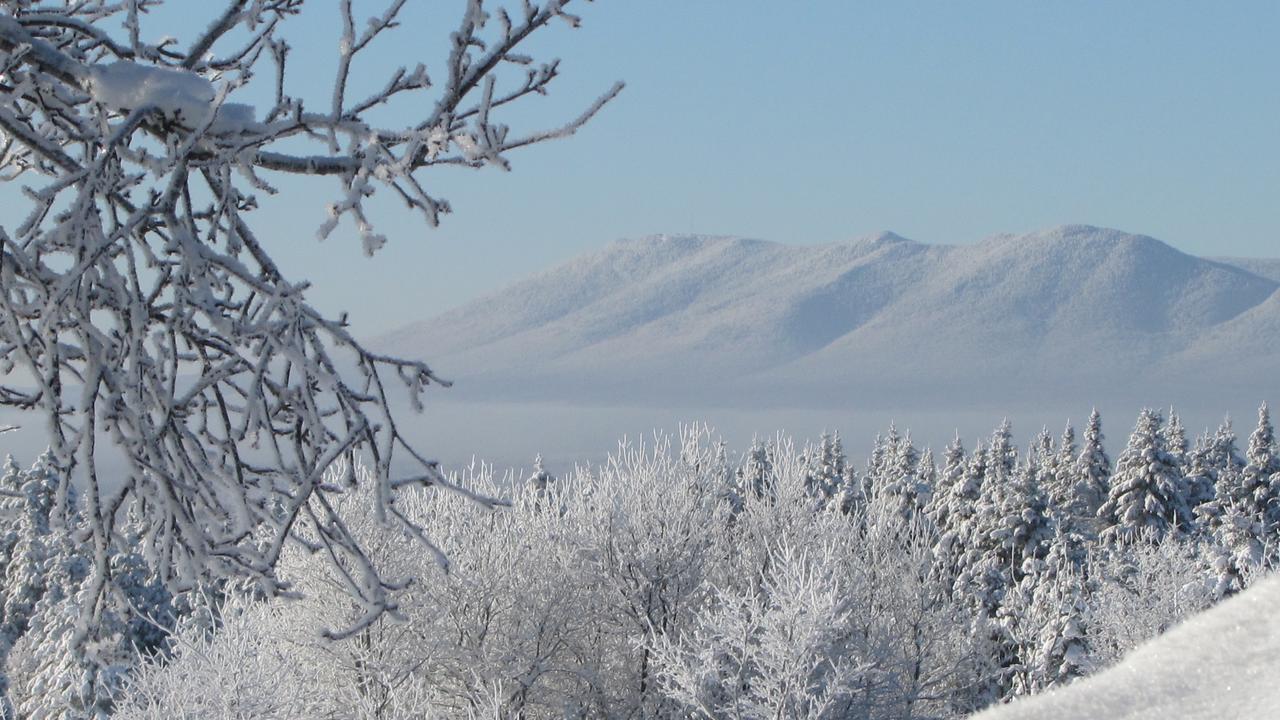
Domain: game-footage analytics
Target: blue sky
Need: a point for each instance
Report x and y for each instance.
(811, 122)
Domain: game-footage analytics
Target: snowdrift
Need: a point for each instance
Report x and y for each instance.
(1223, 663)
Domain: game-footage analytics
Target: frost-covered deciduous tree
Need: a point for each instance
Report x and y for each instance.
(769, 652)
(140, 311)
(1141, 590)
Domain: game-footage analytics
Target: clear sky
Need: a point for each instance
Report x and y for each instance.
(813, 122)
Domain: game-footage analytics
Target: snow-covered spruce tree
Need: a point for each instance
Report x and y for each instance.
(1200, 478)
(1002, 453)
(883, 461)
(954, 551)
(1218, 474)
(1041, 452)
(953, 467)
(1007, 540)
(142, 314)
(29, 522)
(754, 478)
(45, 578)
(1092, 479)
(1261, 479)
(1058, 478)
(1026, 525)
(540, 479)
(827, 467)
(1015, 529)
(852, 494)
(897, 485)
(1145, 500)
(1244, 516)
(1174, 436)
(926, 480)
(989, 547)
(1050, 606)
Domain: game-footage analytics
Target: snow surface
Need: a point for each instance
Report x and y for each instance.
(1223, 663)
(885, 320)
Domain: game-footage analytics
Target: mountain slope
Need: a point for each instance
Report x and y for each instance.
(881, 320)
(1268, 268)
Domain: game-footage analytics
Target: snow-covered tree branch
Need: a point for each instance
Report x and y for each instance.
(140, 310)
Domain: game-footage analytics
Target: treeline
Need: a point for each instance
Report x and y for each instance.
(676, 581)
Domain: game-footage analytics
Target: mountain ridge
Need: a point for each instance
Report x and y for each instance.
(875, 318)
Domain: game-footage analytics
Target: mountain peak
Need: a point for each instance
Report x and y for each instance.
(882, 239)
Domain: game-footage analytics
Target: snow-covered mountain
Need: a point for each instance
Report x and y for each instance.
(879, 321)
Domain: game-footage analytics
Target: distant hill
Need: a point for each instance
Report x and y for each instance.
(881, 321)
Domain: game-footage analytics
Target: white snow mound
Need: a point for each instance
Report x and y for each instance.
(181, 95)
(1222, 663)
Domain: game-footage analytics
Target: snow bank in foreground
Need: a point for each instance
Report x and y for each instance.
(1222, 663)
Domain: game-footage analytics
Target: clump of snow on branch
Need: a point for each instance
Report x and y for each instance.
(181, 95)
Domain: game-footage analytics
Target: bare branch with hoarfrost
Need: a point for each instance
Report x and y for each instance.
(140, 311)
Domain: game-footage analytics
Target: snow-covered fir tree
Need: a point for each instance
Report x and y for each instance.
(1145, 500)
(65, 650)
(1244, 516)
(1004, 530)
(1200, 477)
(1092, 480)
(826, 467)
(539, 480)
(852, 494)
(897, 486)
(926, 480)
(1002, 453)
(755, 475)
(1052, 606)
(1058, 479)
(1175, 440)
(879, 465)
(1260, 491)
(956, 547)
(953, 468)
(1216, 477)
(1042, 450)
